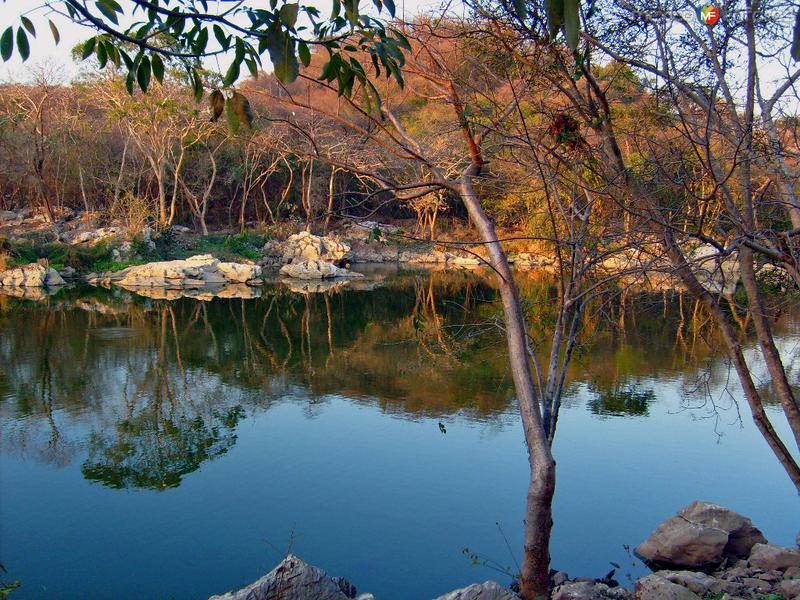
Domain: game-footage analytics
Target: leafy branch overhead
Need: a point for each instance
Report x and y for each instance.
(146, 33)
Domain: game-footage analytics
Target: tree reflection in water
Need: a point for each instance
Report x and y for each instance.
(145, 391)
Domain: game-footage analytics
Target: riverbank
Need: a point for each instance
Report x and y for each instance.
(704, 552)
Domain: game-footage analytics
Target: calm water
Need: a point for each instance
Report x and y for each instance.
(177, 449)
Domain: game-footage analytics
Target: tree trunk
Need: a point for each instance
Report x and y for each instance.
(535, 576)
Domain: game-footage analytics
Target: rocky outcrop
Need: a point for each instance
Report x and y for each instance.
(305, 246)
(488, 590)
(292, 579)
(195, 272)
(316, 269)
(700, 536)
(31, 276)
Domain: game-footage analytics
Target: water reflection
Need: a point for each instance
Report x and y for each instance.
(149, 389)
(231, 421)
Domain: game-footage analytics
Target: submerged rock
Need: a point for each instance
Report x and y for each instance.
(292, 579)
(31, 276)
(316, 269)
(700, 536)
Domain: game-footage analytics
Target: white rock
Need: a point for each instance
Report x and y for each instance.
(305, 246)
(198, 271)
(31, 276)
(315, 269)
(239, 273)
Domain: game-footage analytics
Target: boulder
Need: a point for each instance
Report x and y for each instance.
(774, 558)
(196, 272)
(305, 246)
(655, 587)
(489, 590)
(33, 275)
(700, 537)
(292, 579)
(589, 590)
(239, 273)
(316, 269)
(703, 584)
(790, 588)
(717, 273)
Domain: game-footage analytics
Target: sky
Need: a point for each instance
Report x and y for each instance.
(44, 51)
(57, 59)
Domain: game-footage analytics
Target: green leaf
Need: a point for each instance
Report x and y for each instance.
(23, 47)
(129, 83)
(54, 31)
(572, 22)
(102, 55)
(109, 10)
(158, 68)
(7, 43)
(389, 4)
(304, 53)
(88, 48)
(200, 43)
(197, 85)
(521, 9)
(232, 75)
(288, 14)
(233, 118)
(26, 23)
(143, 74)
(796, 39)
(252, 67)
(223, 39)
(555, 16)
(288, 69)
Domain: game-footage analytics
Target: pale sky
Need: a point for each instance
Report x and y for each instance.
(44, 49)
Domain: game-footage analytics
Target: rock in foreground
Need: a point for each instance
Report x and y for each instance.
(700, 536)
(488, 590)
(292, 579)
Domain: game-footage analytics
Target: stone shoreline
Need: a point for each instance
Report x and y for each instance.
(705, 551)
